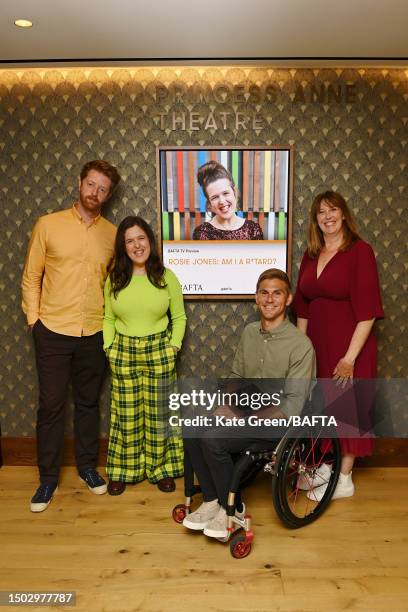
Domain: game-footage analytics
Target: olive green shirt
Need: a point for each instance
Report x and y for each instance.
(285, 353)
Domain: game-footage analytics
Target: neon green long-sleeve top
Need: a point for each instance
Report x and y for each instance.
(141, 309)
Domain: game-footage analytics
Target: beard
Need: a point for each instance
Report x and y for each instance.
(88, 202)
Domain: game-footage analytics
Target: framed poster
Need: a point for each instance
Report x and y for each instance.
(224, 216)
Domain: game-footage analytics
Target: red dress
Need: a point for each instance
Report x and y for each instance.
(346, 292)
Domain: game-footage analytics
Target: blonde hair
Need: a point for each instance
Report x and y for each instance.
(315, 239)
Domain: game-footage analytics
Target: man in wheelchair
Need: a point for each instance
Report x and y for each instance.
(272, 348)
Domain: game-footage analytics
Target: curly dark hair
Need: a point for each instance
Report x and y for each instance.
(122, 268)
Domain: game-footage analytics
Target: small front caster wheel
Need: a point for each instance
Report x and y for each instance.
(179, 513)
(240, 547)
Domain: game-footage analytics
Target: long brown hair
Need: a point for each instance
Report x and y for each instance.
(315, 239)
(122, 268)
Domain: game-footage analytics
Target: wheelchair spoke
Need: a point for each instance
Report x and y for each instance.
(298, 462)
(313, 444)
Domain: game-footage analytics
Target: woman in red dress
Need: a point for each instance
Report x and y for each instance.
(337, 301)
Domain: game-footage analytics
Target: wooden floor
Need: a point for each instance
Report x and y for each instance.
(126, 553)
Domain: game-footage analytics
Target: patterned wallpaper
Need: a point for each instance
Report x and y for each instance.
(349, 129)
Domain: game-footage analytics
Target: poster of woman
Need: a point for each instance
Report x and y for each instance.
(225, 215)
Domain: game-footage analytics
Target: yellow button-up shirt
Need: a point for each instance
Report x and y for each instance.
(65, 271)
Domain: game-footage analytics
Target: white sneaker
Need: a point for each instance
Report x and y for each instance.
(344, 488)
(218, 527)
(198, 519)
(308, 480)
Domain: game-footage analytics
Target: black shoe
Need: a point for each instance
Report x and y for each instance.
(94, 481)
(42, 497)
(167, 485)
(115, 487)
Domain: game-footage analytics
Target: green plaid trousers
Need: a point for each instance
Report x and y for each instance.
(141, 442)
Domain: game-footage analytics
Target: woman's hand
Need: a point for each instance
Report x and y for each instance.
(343, 371)
(175, 348)
(345, 368)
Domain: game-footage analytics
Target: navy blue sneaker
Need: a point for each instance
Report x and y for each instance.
(94, 481)
(43, 496)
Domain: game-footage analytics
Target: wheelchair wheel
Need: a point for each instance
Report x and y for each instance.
(179, 513)
(240, 546)
(303, 456)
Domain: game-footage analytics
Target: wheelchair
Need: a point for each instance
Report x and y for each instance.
(292, 462)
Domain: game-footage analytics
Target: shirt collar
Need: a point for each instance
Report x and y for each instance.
(281, 329)
(78, 216)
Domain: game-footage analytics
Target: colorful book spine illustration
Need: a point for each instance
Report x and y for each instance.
(166, 226)
(180, 180)
(203, 202)
(267, 181)
(281, 226)
(191, 181)
(163, 182)
(235, 167)
(257, 164)
(261, 177)
(170, 186)
(176, 225)
(271, 226)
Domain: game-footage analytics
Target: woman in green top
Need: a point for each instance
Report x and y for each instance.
(142, 350)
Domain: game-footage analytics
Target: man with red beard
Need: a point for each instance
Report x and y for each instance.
(65, 271)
